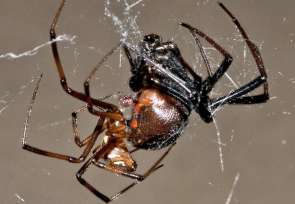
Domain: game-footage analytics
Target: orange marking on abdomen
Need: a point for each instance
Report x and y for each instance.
(134, 123)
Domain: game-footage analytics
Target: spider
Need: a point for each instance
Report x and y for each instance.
(167, 91)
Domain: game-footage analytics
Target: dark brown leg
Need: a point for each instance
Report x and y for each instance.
(152, 170)
(86, 184)
(57, 60)
(89, 144)
(100, 153)
(77, 137)
(100, 104)
(84, 97)
(60, 69)
(94, 160)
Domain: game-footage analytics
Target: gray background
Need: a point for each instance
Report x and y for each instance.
(257, 141)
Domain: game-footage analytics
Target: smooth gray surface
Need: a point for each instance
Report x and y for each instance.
(258, 148)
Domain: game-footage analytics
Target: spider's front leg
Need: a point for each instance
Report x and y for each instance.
(57, 60)
(81, 96)
(59, 66)
(96, 102)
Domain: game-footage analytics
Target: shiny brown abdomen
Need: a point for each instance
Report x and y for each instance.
(158, 119)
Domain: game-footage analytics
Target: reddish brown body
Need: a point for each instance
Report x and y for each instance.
(156, 118)
(157, 121)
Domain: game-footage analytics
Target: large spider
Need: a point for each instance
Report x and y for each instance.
(167, 91)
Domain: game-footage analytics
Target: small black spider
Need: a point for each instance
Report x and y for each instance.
(168, 90)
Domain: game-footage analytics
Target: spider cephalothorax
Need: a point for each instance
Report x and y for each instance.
(167, 90)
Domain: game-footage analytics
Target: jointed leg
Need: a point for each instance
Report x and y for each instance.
(77, 137)
(57, 60)
(60, 69)
(237, 96)
(204, 57)
(138, 177)
(129, 57)
(89, 143)
(211, 80)
(98, 103)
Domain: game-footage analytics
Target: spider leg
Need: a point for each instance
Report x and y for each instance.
(259, 63)
(60, 69)
(136, 176)
(77, 138)
(108, 110)
(81, 96)
(83, 182)
(117, 195)
(89, 142)
(212, 79)
(152, 169)
(237, 96)
(94, 160)
(57, 60)
(129, 57)
(204, 57)
(89, 100)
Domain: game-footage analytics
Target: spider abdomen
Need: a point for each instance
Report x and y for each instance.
(158, 119)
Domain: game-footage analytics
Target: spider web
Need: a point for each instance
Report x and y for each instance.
(125, 24)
